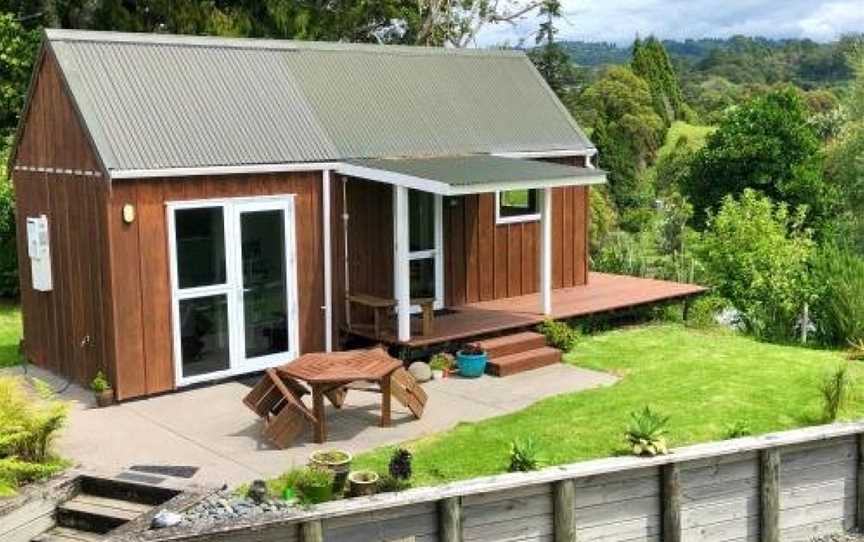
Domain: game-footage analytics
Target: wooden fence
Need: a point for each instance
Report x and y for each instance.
(793, 485)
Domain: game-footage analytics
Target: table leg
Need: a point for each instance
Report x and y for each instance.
(385, 401)
(318, 412)
(428, 317)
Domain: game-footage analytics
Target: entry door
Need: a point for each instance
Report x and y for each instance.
(234, 286)
(425, 247)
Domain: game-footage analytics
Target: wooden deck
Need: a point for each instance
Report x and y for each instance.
(603, 293)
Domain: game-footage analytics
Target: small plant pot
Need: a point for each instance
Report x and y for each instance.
(437, 374)
(337, 461)
(471, 365)
(104, 398)
(318, 494)
(362, 483)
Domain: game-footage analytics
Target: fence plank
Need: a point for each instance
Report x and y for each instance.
(564, 496)
(311, 531)
(670, 492)
(770, 495)
(450, 518)
(859, 482)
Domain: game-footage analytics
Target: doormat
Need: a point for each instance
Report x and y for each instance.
(175, 471)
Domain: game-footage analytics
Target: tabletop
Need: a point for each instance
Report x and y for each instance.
(326, 367)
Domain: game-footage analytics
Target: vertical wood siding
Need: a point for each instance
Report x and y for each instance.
(140, 271)
(65, 330)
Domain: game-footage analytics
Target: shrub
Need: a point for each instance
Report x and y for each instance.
(737, 429)
(835, 389)
(8, 246)
(441, 361)
(400, 464)
(472, 350)
(704, 310)
(756, 255)
(560, 334)
(29, 421)
(390, 484)
(303, 480)
(99, 383)
(838, 310)
(523, 455)
(646, 433)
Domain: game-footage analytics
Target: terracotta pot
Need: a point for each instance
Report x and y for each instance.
(363, 483)
(104, 398)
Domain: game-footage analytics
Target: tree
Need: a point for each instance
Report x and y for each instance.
(756, 254)
(551, 59)
(651, 63)
(766, 144)
(626, 130)
(17, 50)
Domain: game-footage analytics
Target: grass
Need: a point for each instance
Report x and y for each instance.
(10, 333)
(706, 381)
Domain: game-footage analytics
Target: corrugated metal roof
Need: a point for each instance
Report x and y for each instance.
(464, 174)
(160, 101)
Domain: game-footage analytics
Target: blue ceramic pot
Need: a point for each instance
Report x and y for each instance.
(471, 366)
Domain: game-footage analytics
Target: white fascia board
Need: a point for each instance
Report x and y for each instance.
(220, 170)
(527, 184)
(546, 154)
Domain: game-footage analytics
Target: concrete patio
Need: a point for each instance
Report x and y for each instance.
(209, 427)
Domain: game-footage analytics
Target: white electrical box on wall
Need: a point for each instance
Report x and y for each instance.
(39, 251)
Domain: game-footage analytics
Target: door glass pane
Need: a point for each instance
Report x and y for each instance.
(422, 273)
(200, 237)
(204, 334)
(421, 220)
(265, 304)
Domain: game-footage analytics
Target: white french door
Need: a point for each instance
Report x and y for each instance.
(234, 286)
(425, 247)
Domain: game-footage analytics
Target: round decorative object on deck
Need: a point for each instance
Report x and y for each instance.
(420, 371)
(337, 461)
(471, 361)
(363, 482)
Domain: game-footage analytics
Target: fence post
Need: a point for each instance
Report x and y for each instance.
(670, 491)
(859, 482)
(769, 491)
(564, 510)
(450, 519)
(311, 531)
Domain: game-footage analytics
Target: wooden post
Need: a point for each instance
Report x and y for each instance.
(670, 490)
(311, 531)
(545, 250)
(450, 519)
(564, 495)
(769, 491)
(859, 482)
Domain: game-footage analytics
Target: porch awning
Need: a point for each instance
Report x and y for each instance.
(452, 176)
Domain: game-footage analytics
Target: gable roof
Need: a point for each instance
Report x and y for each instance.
(154, 101)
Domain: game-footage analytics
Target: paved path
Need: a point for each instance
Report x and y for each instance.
(210, 428)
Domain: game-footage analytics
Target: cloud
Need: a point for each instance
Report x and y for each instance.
(620, 21)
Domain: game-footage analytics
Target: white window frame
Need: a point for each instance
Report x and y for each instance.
(534, 217)
(232, 288)
(436, 253)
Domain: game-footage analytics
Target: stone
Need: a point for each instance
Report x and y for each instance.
(164, 519)
(258, 491)
(420, 371)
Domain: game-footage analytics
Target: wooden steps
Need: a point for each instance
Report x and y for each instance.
(64, 534)
(518, 353)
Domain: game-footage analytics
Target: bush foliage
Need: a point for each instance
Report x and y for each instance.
(838, 310)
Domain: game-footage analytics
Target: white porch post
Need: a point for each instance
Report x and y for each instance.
(546, 251)
(401, 284)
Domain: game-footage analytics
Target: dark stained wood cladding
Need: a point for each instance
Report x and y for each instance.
(484, 261)
(53, 137)
(140, 267)
(66, 330)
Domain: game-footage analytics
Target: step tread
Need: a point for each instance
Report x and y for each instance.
(524, 361)
(506, 345)
(65, 534)
(105, 507)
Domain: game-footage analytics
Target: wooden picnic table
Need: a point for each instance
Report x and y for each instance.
(329, 374)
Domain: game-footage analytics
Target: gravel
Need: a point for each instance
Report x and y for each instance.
(842, 537)
(227, 505)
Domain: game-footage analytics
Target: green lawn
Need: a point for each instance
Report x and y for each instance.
(704, 380)
(10, 333)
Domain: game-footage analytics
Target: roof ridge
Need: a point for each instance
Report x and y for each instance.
(187, 40)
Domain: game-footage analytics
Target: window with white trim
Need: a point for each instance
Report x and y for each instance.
(516, 206)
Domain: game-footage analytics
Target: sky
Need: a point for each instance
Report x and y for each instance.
(620, 21)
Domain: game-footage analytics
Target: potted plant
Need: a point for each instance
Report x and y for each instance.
(362, 483)
(471, 360)
(315, 484)
(440, 364)
(336, 461)
(102, 390)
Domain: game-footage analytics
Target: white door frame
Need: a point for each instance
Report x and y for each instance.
(436, 253)
(233, 286)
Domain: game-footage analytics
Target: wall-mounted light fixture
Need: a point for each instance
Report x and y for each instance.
(128, 213)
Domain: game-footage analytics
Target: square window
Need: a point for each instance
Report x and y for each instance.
(518, 206)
